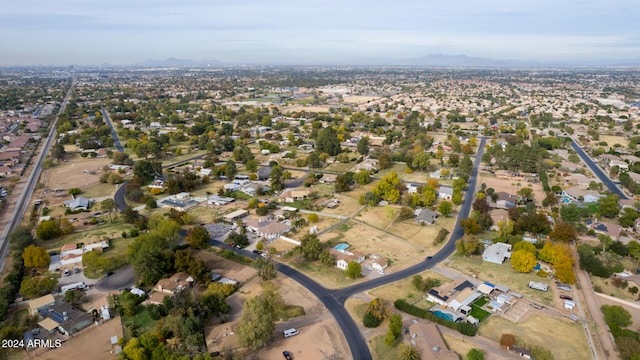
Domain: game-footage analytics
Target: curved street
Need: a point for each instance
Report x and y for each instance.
(334, 300)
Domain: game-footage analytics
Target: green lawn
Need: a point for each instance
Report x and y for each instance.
(107, 230)
(481, 302)
(478, 313)
(382, 351)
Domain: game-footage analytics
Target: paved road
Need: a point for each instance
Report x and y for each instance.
(122, 278)
(116, 140)
(25, 196)
(334, 299)
(597, 171)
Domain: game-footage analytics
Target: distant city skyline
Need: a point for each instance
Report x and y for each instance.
(354, 32)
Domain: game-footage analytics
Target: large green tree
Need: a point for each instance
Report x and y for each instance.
(259, 315)
(353, 269)
(608, 206)
(277, 178)
(198, 237)
(328, 142)
(363, 145)
(36, 257)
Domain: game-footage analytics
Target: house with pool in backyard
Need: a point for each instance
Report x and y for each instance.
(463, 301)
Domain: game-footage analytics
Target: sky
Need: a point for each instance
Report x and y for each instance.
(85, 32)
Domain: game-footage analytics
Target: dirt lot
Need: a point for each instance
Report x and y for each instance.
(78, 172)
(319, 333)
(612, 140)
(511, 185)
(368, 240)
(423, 235)
(92, 343)
(356, 99)
(564, 339)
(225, 267)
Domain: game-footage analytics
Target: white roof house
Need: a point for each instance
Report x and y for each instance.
(497, 253)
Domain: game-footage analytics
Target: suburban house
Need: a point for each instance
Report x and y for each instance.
(5, 171)
(264, 173)
(179, 202)
(586, 196)
(429, 341)
(254, 189)
(268, 229)
(445, 192)
(378, 262)
(219, 200)
(503, 201)
(42, 302)
(619, 163)
(344, 257)
(463, 299)
(580, 180)
(328, 179)
(290, 196)
(64, 318)
(605, 228)
(71, 254)
(79, 203)
(497, 253)
(170, 287)
(443, 294)
(425, 216)
(412, 188)
(233, 216)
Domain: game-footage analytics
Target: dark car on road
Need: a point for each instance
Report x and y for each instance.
(566, 297)
(287, 355)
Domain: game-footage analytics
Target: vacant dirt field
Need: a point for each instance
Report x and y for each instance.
(378, 216)
(356, 99)
(225, 267)
(423, 235)
(297, 108)
(319, 334)
(612, 140)
(368, 240)
(564, 339)
(511, 185)
(91, 343)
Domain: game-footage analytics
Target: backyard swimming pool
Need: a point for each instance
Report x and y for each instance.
(341, 247)
(442, 314)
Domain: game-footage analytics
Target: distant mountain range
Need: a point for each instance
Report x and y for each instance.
(177, 62)
(435, 60)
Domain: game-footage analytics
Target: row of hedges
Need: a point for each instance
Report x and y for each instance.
(544, 179)
(463, 327)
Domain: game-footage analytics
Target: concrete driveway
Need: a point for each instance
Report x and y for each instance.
(74, 278)
(122, 278)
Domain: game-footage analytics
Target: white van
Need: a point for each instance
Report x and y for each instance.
(290, 332)
(569, 305)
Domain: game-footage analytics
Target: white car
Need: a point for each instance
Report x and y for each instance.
(368, 267)
(381, 272)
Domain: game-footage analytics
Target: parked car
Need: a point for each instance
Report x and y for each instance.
(215, 353)
(67, 272)
(109, 273)
(566, 297)
(256, 251)
(287, 355)
(76, 270)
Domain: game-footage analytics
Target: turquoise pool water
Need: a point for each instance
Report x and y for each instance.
(565, 200)
(341, 247)
(443, 315)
